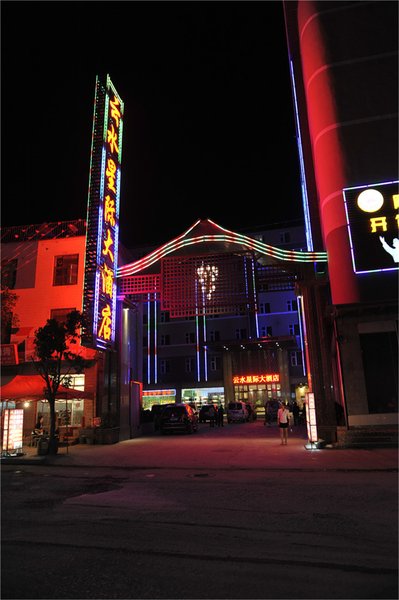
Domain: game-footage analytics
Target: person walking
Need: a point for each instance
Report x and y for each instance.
(220, 416)
(295, 412)
(212, 415)
(283, 420)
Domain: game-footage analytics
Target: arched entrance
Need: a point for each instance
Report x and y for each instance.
(207, 275)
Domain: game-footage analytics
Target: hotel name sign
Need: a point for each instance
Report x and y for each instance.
(103, 217)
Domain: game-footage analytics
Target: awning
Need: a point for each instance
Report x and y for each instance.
(31, 387)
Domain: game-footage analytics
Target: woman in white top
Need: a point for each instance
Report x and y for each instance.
(283, 420)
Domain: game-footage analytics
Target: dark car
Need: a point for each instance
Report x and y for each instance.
(178, 417)
(204, 412)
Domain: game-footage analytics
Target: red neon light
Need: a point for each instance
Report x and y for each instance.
(159, 393)
(263, 378)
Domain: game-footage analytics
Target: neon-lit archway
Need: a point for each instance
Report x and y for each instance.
(208, 232)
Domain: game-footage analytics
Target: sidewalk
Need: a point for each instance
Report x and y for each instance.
(215, 449)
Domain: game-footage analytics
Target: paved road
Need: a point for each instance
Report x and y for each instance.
(220, 514)
(235, 446)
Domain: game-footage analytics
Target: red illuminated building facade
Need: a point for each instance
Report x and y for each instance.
(344, 69)
(43, 265)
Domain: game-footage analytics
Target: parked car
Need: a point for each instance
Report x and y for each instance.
(178, 417)
(204, 412)
(237, 412)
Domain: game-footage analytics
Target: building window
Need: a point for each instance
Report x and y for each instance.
(8, 273)
(264, 307)
(215, 363)
(293, 328)
(295, 359)
(66, 269)
(189, 365)
(285, 237)
(241, 334)
(164, 366)
(164, 317)
(265, 331)
(60, 314)
(164, 340)
(190, 338)
(214, 336)
(292, 305)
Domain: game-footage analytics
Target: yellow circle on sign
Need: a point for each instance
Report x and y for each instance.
(370, 200)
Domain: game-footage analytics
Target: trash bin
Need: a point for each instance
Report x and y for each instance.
(42, 446)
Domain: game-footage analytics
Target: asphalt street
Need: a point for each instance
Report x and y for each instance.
(224, 513)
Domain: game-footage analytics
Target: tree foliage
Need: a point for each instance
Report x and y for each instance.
(8, 318)
(56, 356)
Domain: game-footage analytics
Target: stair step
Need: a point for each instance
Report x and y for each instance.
(366, 437)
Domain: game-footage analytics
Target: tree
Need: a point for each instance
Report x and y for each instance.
(55, 358)
(8, 318)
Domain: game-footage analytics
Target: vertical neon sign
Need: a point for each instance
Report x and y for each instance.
(99, 302)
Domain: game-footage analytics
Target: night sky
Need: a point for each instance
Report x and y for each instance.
(209, 123)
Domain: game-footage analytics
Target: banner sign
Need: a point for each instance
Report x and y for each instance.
(99, 300)
(13, 419)
(372, 218)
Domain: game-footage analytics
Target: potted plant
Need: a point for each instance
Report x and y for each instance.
(108, 431)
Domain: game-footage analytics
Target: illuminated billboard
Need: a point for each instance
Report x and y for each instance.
(13, 419)
(258, 378)
(372, 218)
(101, 261)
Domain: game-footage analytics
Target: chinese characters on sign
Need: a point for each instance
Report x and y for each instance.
(101, 261)
(9, 354)
(108, 227)
(12, 430)
(264, 378)
(373, 219)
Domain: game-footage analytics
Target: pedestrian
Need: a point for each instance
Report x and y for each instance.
(282, 420)
(39, 428)
(212, 415)
(220, 416)
(295, 412)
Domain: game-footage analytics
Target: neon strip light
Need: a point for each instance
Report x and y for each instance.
(349, 234)
(148, 340)
(96, 301)
(155, 341)
(305, 201)
(255, 299)
(235, 238)
(305, 339)
(171, 392)
(205, 348)
(300, 317)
